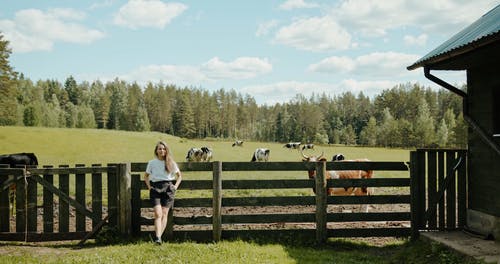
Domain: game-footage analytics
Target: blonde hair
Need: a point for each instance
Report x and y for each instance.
(169, 160)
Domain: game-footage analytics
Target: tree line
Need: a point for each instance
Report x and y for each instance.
(407, 115)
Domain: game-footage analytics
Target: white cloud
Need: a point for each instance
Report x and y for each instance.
(314, 34)
(295, 4)
(378, 64)
(374, 18)
(148, 13)
(265, 28)
(281, 92)
(176, 74)
(241, 68)
(29, 29)
(333, 65)
(419, 40)
(211, 71)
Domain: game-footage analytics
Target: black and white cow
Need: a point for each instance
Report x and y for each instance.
(15, 161)
(194, 154)
(238, 143)
(292, 145)
(199, 154)
(308, 146)
(207, 154)
(338, 157)
(261, 154)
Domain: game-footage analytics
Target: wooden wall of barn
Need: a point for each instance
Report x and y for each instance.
(484, 163)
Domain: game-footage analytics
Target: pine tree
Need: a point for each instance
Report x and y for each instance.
(8, 102)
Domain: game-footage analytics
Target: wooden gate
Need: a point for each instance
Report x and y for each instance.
(439, 178)
(67, 209)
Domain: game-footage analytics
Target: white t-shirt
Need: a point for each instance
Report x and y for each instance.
(157, 172)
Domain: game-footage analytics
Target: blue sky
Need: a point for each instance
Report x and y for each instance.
(269, 49)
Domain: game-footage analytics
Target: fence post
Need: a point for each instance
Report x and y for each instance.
(321, 203)
(414, 193)
(217, 201)
(124, 198)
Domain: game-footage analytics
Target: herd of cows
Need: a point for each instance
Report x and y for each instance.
(205, 154)
(260, 154)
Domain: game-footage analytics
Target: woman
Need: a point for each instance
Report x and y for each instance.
(159, 178)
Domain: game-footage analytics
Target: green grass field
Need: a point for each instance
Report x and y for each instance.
(57, 146)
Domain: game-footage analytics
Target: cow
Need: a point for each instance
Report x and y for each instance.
(261, 154)
(292, 145)
(194, 154)
(308, 146)
(16, 160)
(344, 174)
(338, 157)
(207, 154)
(238, 143)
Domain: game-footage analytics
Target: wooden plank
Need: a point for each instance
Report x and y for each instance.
(112, 196)
(31, 213)
(136, 204)
(217, 201)
(4, 200)
(269, 218)
(48, 204)
(96, 196)
(374, 182)
(268, 201)
(20, 206)
(369, 232)
(283, 166)
(462, 191)
(40, 237)
(63, 204)
(4, 208)
(441, 173)
(451, 190)
(371, 199)
(267, 184)
(80, 198)
(432, 189)
(366, 217)
(65, 169)
(414, 194)
(123, 198)
(321, 203)
(421, 189)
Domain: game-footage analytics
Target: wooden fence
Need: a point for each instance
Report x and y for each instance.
(317, 223)
(117, 197)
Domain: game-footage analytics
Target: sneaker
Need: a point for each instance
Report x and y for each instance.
(158, 241)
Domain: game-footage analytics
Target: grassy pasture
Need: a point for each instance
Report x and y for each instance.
(57, 146)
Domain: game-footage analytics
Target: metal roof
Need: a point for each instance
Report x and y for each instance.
(484, 31)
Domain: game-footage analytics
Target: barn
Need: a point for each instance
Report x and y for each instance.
(476, 50)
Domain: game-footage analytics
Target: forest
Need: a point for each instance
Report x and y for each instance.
(407, 115)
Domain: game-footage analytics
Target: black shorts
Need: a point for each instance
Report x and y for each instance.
(162, 193)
